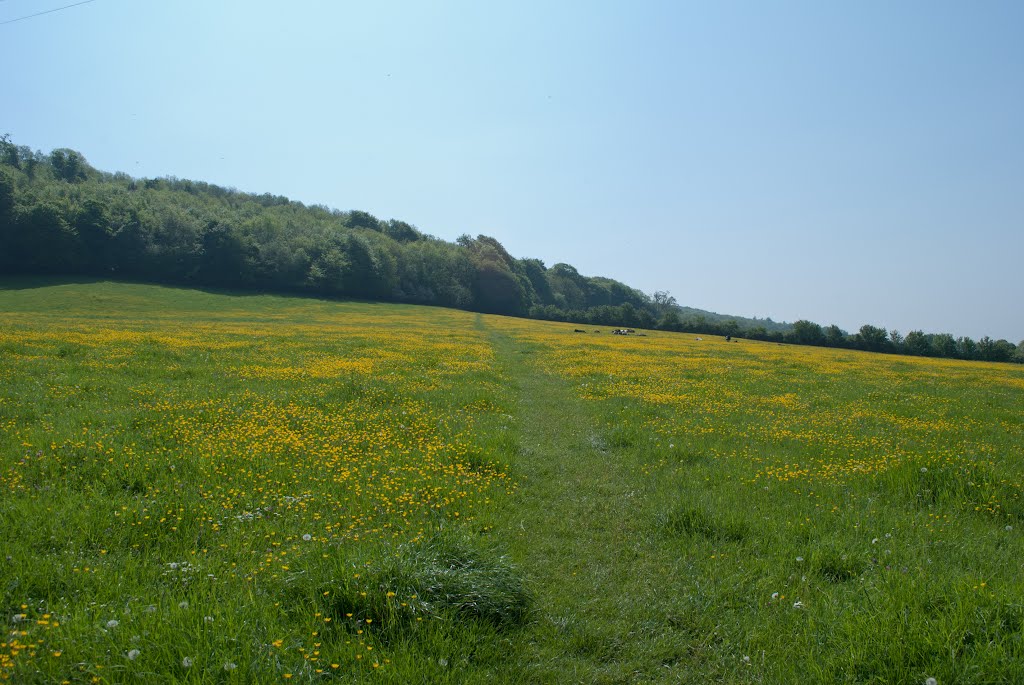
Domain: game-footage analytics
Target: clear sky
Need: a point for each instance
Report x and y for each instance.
(843, 162)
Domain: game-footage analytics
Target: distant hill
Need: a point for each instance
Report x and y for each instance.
(60, 216)
(745, 323)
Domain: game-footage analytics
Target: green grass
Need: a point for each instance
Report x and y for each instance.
(199, 487)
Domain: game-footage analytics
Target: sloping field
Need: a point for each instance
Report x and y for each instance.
(208, 488)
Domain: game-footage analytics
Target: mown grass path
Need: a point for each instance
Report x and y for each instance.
(606, 595)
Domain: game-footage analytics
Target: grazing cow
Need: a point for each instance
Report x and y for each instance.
(577, 330)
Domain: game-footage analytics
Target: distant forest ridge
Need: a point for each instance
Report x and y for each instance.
(60, 216)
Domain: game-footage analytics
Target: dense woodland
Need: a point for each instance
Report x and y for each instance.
(59, 216)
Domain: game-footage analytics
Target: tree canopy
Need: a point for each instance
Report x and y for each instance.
(59, 215)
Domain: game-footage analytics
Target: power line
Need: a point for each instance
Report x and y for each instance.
(39, 14)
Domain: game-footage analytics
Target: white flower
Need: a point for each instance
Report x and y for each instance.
(874, 541)
(133, 654)
(931, 681)
(173, 565)
(17, 618)
(798, 605)
(186, 662)
(775, 595)
(113, 623)
(307, 537)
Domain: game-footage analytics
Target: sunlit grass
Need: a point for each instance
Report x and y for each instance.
(204, 487)
(817, 515)
(196, 487)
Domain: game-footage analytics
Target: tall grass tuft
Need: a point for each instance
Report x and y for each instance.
(684, 519)
(444, 576)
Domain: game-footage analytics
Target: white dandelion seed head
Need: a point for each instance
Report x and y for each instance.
(775, 595)
(307, 537)
(931, 681)
(230, 666)
(183, 604)
(1009, 528)
(133, 654)
(151, 609)
(924, 469)
(874, 541)
(746, 659)
(799, 559)
(186, 662)
(173, 565)
(113, 623)
(17, 618)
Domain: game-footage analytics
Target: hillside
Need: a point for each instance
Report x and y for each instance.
(258, 488)
(59, 216)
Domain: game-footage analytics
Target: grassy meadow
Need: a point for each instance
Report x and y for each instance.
(200, 487)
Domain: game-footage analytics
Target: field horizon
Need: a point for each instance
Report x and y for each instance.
(210, 487)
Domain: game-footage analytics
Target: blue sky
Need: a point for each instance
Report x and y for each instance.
(847, 163)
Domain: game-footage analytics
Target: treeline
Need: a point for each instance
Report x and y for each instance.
(60, 216)
(869, 338)
(918, 343)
